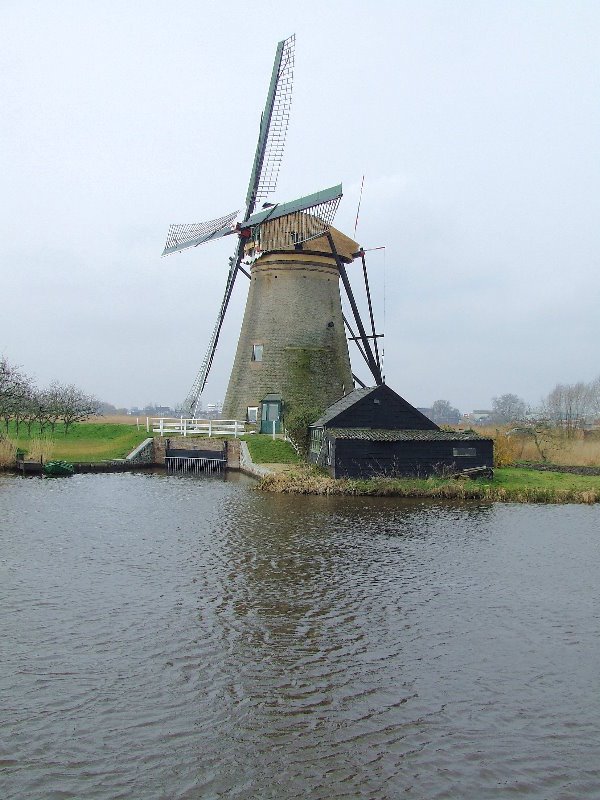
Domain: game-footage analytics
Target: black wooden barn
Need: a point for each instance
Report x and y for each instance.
(374, 431)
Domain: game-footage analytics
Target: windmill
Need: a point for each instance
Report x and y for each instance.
(292, 346)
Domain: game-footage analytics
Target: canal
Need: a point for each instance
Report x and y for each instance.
(170, 637)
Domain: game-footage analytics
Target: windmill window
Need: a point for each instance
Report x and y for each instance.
(257, 352)
(252, 414)
(469, 452)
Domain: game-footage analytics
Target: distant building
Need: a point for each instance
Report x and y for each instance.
(162, 411)
(214, 410)
(479, 416)
(155, 411)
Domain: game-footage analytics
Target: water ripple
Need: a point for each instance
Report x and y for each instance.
(173, 638)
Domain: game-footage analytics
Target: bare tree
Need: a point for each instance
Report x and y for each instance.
(569, 405)
(508, 408)
(29, 409)
(443, 413)
(53, 398)
(595, 397)
(41, 408)
(15, 387)
(21, 402)
(76, 406)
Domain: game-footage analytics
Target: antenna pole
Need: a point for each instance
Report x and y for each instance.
(359, 202)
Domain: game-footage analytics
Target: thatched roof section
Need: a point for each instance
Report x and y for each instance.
(345, 246)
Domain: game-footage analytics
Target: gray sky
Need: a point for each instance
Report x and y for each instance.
(476, 125)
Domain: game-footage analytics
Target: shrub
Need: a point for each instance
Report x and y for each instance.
(506, 449)
(297, 422)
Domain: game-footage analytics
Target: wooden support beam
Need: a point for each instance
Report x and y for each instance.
(372, 363)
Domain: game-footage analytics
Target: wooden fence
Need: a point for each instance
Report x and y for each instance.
(194, 427)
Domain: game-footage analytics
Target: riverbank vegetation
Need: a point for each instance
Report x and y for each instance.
(509, 484)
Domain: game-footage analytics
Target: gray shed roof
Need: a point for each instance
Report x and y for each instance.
(371, 435)
(341, 405)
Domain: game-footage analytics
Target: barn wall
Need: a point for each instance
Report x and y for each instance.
(358, 458)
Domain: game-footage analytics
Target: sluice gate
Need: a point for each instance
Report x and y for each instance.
(195, 461)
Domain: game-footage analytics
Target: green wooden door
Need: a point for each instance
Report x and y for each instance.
(271, 413)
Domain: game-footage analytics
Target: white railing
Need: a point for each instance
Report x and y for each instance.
(194, 427)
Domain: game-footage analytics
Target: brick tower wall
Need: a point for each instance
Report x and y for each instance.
(294, 310)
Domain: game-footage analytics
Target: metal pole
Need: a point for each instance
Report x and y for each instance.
(274, 423)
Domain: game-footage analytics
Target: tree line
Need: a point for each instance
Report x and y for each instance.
(572, 405)
(23, 403)
(569, 406)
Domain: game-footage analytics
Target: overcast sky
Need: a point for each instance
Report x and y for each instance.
(476, 125)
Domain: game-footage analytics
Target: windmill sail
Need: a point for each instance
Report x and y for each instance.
(180, 237)
(193, 399)
(273, 127)
(263, 180)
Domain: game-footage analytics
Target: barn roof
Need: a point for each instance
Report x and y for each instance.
(341, 405)
(374, 407)
(373, 435)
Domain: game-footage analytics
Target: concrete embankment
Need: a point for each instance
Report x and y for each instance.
(152, 452)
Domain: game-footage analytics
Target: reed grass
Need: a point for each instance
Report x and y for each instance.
(573, 453)
(8, 452)
(553, 446)
(40, 448)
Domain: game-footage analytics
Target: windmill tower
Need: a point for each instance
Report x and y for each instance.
(292, 350)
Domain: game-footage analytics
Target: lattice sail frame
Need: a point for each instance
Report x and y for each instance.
(280, 117)
(180, 237)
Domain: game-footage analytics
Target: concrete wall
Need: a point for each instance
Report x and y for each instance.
(143, 453)
(294, 311)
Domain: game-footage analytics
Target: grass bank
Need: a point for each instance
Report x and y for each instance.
(84, 441)
(508, 485)
(266, 450)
